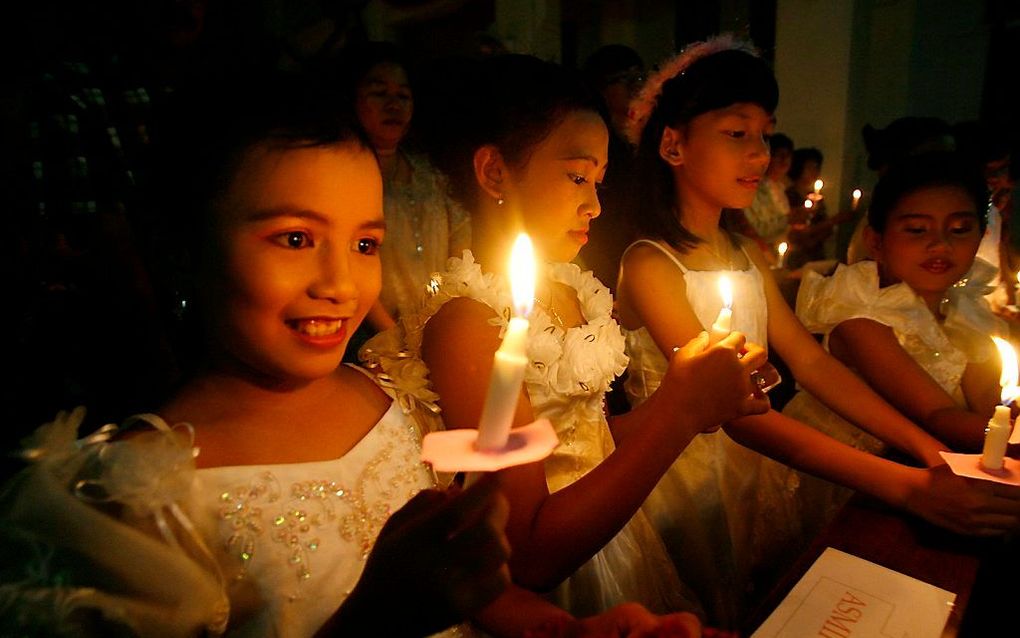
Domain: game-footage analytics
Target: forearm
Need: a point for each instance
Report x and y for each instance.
(962, 429)
(850, 397)
(516, 611)
(572, 524)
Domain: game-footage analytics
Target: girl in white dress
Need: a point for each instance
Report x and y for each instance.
(701, 125)
(266, 509)
(526, 152)
(914, 322)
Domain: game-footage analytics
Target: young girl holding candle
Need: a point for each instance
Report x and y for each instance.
(525, 149)
(913, 322)
(234, 520)
(702, 125)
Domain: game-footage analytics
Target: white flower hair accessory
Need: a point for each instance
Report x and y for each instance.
(644, 103)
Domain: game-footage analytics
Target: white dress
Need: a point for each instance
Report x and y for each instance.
(725, 512)
(942, 349)
(424, 228)
(131, 529)
(566, 382)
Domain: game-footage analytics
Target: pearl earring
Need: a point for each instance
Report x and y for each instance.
(499, 200)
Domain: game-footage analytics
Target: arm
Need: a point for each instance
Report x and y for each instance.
(873, 351)
(836, 386)
(554, 534)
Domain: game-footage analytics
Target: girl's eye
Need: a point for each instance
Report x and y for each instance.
(294, 239)
(579, 179)
(736, 134)
(915, 230)
(962, 230)
(368, 246)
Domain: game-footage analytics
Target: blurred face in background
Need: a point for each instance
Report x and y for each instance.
(384, 104)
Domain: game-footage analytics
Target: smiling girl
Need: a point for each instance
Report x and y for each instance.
(702, 127)
(526, 147)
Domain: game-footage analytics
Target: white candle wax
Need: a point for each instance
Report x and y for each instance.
(857, 198)
(783, 247)
(511, 358)
(996, 438)
(723, 323)
(504, 387)
(818, 186)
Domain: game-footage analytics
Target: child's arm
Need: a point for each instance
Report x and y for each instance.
(835, 385)
(554, 534)
(874, 352)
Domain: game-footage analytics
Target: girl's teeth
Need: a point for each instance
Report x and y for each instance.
(318, 328)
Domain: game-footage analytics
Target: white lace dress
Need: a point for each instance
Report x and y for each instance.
(566, 381)
(131, 530)
(942, 349)
(724, 511)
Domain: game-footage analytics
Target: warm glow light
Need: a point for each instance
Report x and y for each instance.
(522, 275)
(808, 203)
(782, 248)
(726, 291)
(857, 193)
(818, 185)
(1008, 376)
(1018, 277)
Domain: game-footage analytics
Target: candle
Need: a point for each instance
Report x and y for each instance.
(856, 198)
(723, 322)
(781, 249)
(808, 203)
(998, 430)
(511, 359)
(818, 186)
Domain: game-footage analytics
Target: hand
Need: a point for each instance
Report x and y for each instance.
(966, 506)
(443, 554)
(628, 620)
(714, 383)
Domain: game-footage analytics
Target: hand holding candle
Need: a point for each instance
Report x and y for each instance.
(999, 427)
(723, 323)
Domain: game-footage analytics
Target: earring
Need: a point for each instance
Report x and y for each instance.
(499, 200)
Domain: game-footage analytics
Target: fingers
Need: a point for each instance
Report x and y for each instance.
(757, 403)
(735, 340)
(754, 357)
(695, 346)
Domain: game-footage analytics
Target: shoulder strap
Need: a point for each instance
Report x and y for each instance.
(665, 251)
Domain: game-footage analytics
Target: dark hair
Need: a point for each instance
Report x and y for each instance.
(904, 137)
(925, 171)
(510, 101)
(802, 156)
(779, 141)
(354, 62)
(198, 142)
(609, 60)
(716, 81)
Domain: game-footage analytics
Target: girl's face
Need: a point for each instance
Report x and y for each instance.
(779, 164)
(929, 242)
(721, 155)
(556, 190)
(384, 105)
(294, 261)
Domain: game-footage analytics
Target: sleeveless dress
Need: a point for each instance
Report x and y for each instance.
(129, 529)
(942, 349)
(725, 512)
(566, 380)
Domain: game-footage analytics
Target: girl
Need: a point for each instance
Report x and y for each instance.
(525, 149)
(702, 125)
(266, 531)
(902, 321)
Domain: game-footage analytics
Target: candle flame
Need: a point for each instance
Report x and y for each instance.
(1008, 376)
(522, 275)
(808, 203)
(726, 291)
(857, 193)
(818, 185)
(782, 248)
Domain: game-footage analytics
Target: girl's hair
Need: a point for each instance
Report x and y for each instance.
(512, 102)
(801, 156)
(717, 80)
(198, 142)
(926, 171)
(779, 141)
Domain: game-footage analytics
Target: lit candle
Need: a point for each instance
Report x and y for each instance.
(818, 186)
(724, 321)
(856, 198)
(998, 430)
(781, 249)
(511, 359)
(808, 203)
